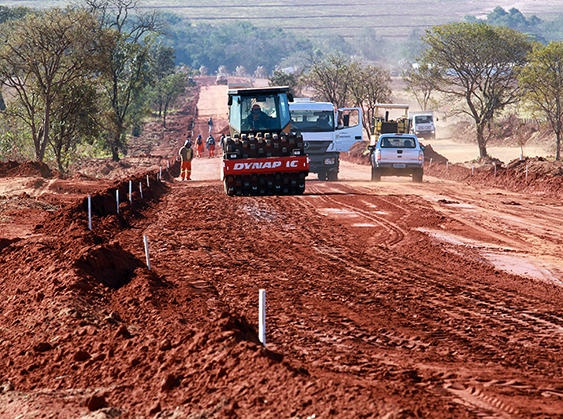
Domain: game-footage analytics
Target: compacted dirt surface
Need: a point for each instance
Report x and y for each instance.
(389, 299)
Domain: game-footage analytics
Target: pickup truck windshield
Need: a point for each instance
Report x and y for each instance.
(397, 142)
(312, 121)
(423, 119)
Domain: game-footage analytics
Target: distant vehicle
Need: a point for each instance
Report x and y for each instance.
(326, 133)
(385, 125)
(397, 155)
(422, 124)
(221, 79)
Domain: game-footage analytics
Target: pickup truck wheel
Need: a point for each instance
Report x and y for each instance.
(332, 175)
(417, 176)
(375, 175)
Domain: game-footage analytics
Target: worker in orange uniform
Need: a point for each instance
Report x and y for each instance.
(211, 146)
(186, 155)
(199, 146)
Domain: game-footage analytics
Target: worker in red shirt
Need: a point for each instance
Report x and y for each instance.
(186, 155)
(199, 146)
(211, 145)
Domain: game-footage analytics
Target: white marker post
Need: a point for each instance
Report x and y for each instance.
(117, 199)
(495, 170)
(430, 162)
(130, 191)
(262, 316)
(148, 184)
(141, 189)
(472, 170)
(160, 174)
(89, 212)
(167, 164)
(146, 242)
(447, 165)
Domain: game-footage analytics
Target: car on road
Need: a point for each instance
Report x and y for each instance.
(397, 155)
(221, 79)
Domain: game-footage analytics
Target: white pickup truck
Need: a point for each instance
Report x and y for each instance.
(397, 155)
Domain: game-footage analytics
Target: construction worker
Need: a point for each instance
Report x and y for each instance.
(198, 146)
(222, 141)
(210, 124)
(211, 145)
(257, 120)
(186, 155)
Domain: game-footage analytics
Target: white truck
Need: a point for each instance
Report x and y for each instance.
(422, 124)
(397, 155)
(327, 132)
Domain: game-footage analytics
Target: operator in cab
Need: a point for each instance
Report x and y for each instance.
(258, 120)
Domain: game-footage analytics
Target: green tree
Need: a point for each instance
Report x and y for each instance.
(173, 86)
(477, 64)
(281, 78)
(331, 80)
(12, 13)
(73, 121)
(232, 44)
(420, 82)
(41, 54)
(370, 86)
(542, 81)
(162, 66)
(128, 69)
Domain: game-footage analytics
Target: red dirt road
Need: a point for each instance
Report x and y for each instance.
(392, 300)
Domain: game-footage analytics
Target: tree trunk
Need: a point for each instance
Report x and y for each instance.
(558, 145)
(45, 140)
(481, 141)
(164, 114)
(60, 163)
(115, 148)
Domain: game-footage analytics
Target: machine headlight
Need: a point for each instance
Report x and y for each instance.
(330, 161)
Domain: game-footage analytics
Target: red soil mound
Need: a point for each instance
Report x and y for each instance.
(534, 175)
(29, 168)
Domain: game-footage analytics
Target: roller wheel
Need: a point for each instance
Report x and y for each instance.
(229, 190)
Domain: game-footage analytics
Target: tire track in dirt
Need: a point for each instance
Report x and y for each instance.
(485, 404)
(395, 233)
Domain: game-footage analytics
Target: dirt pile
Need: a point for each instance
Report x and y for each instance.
(533, 175)
(25, 169)
(543, 176)
(91, 318)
